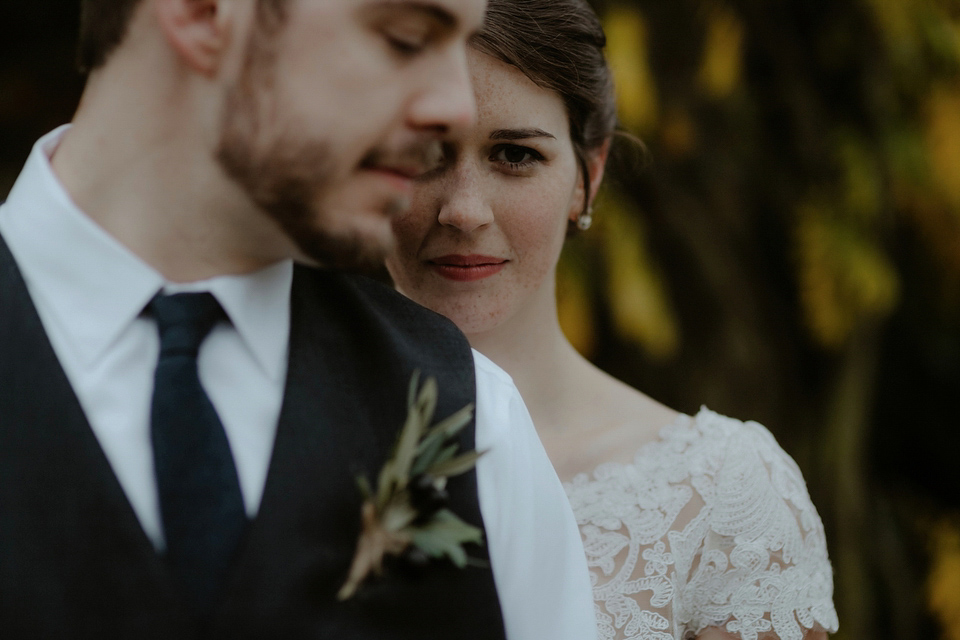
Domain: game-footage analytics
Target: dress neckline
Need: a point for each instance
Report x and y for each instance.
(663, 436)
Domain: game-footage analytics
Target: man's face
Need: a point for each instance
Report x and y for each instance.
(340, 105)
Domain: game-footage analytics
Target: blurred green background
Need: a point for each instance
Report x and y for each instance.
(787, 250)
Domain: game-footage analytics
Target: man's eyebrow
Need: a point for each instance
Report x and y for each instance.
(432, 10)
(520, 134)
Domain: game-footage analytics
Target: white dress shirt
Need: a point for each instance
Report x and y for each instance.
(90, 292)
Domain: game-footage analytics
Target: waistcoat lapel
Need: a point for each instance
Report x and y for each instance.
(345, 402)
(74, 560)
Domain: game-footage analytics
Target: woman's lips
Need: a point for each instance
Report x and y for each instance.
(466, 268)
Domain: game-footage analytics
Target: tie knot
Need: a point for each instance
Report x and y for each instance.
(184, 320)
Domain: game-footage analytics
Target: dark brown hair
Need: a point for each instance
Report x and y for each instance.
(103, 26)
(558, 44)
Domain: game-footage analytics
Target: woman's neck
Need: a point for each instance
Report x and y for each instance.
(532, 348)
(583, 416)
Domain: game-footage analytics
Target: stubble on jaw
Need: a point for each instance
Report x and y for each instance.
(284, 175)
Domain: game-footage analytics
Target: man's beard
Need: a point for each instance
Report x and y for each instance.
(285, 176)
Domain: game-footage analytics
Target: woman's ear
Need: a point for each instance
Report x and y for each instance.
(596, 164)
(198, 30)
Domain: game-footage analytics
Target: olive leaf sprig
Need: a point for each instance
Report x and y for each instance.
(408, 511)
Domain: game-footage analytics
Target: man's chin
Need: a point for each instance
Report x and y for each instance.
(360, 245)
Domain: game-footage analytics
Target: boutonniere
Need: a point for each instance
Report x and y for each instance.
(407, 514)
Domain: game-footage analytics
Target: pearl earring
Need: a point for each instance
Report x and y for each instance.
(584, 220)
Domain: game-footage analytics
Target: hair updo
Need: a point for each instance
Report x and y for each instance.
(558, 44)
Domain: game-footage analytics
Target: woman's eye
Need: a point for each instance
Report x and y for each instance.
(516, 156)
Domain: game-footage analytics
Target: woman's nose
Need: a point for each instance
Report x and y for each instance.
(465, 208)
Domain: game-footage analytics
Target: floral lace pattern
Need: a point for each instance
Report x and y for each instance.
(711, 525)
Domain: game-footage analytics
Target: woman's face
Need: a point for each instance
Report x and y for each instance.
(484, 231)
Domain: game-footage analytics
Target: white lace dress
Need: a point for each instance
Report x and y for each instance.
(711, 525)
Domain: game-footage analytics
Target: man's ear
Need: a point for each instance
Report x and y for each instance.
(198, 30)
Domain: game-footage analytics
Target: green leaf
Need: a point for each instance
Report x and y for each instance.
(426, 458)
(436, 545)
(456, 466)
(425, 462)
(412, 389)
(365, 489)
(418, 419)
(432, 444)
(396, 472)
(449, 427)
(427, 402)
(446, 454)
(444, 535)
(398, 514)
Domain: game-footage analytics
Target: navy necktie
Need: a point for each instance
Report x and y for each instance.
(200, 500)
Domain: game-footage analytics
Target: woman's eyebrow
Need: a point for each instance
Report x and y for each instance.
(520, 134)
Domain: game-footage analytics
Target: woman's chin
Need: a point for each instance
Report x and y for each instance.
(474, 315)
(477, 328)
(474, 323)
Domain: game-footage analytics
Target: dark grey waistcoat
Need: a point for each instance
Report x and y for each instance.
(75, 563)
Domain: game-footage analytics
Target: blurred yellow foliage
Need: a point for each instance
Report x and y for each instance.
(863, 186)
(679, 132)
(943, 140)
(574, 306)
(944, 580)
(722, 56)
(640, 309)
(896, 19)
(916, 194)
(913, 29)
(954, 27)
(844, 277)
(627, 45)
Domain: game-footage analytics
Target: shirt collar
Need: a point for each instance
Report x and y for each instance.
(96, 287)
(258, 305)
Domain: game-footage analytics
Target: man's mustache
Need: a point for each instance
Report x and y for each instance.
(413, 159)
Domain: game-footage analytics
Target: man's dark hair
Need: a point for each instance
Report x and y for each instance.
(104, 23)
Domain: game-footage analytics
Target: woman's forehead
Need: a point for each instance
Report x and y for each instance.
(508, 99)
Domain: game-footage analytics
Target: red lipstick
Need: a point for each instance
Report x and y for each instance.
(467, 268)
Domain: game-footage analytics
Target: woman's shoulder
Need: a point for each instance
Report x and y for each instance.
(744, 459)
(725, 511)
(611, 424)
(730, 440)
(706, 441)
(729, 463)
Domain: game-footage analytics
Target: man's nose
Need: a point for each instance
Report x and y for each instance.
(447, 105)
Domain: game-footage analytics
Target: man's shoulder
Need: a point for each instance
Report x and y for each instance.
(376, 296)
(362, 304)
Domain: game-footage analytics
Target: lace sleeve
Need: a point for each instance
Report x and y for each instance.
(710, 526)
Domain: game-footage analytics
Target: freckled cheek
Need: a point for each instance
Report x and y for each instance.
(412, 227)
(535, 230)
